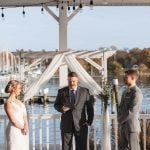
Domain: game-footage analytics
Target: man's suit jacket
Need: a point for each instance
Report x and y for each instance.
(129, 108)
(82, 112)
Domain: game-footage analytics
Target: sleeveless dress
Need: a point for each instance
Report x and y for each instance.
(15, 140)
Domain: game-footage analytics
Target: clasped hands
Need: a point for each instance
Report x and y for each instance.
(65, 109)
(24, 130)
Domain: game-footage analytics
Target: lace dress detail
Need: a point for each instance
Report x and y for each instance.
(14, 137)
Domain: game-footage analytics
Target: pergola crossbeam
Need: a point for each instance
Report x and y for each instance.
(20, 3)
(51, 13)
(73, 14)
(87, 54)
(94, 64)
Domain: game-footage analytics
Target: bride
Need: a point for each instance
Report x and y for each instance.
(17, 130)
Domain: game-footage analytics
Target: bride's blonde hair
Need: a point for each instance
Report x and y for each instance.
(12, 84)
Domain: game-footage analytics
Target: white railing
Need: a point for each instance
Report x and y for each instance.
(45, 132)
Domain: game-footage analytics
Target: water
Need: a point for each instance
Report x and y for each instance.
(49, 109)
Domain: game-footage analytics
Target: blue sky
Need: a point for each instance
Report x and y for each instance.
(123, 27)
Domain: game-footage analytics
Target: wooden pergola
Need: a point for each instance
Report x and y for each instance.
(63, 18)
(18, 3)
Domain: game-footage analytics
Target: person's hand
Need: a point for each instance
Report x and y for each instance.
(65, 109)
(24, 131)
(120, 121)
(85, 124)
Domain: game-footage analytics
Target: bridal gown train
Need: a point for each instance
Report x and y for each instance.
(15, 140)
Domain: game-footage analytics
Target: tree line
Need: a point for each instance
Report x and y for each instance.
(124, 59)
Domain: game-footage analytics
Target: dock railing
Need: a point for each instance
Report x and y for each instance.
(45, 132)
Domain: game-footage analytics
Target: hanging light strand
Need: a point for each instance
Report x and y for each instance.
(62, 7)
(74, 5)
(80, 5)
(91, 2)
(42, 9)
(59, 4)
(68, 6)
(2, 15)
(23, 12)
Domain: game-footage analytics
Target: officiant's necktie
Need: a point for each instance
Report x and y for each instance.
(72, 97)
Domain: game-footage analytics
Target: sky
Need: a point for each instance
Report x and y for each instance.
(123, 27)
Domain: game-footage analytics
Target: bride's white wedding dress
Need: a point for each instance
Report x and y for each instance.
(15, 140)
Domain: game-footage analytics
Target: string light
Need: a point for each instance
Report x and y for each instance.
(91, 4)
(62, 7)
(68, 7)
(23, 12)
(80, 6)
(59, 4)
(42, 9)
(74, 7)
(2, 15)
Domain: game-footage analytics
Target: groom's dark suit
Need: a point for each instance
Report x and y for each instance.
(75, 120)
(128, 118)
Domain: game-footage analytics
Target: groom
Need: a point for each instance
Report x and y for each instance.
(128, 114)
(76, 106)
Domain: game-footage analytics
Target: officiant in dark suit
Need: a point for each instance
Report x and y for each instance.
(76, 105)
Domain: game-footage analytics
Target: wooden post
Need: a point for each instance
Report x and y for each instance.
(113, 101)
(116, 95)
(32, 100)
(114, 110)
(44, 98)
